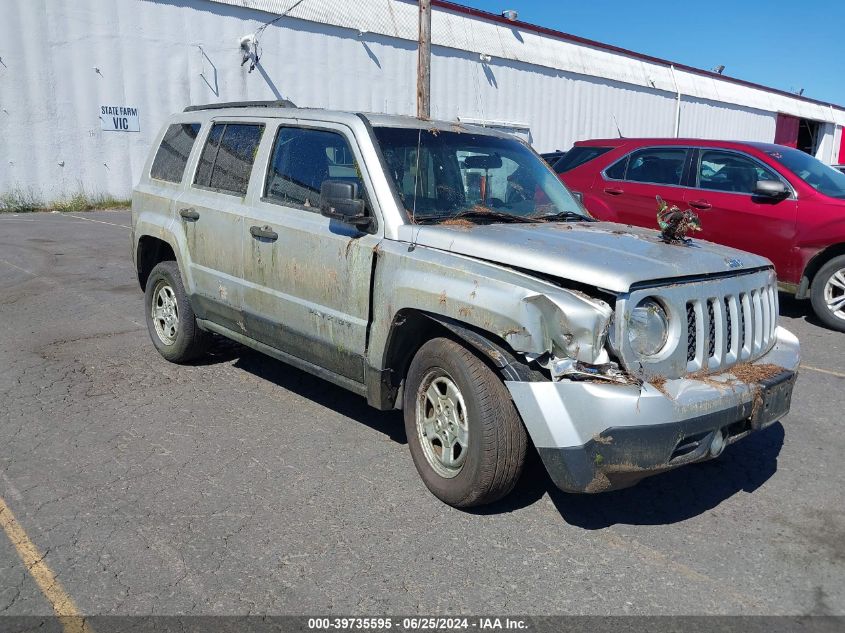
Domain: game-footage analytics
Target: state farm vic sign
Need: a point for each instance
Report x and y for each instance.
(115, 118)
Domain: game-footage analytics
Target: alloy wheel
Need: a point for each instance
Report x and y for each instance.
(165, 313)
(834, 294)
(442, 423)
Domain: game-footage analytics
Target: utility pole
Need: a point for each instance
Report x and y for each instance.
(424, 62)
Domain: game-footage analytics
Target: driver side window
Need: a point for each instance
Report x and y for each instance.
(302, 159)
(730, 172)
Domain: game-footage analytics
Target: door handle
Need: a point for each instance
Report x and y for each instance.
(612, 191)
(701, 205)
(189, 213)
(263, 233)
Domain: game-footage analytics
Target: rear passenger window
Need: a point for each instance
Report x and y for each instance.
(172, 155)
(302, 159)
(661, 166)
(228, 155)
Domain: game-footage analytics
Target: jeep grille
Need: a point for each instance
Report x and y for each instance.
(738, 327)
(714, 324)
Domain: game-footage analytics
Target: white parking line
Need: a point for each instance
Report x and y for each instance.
(125, 226)
(59, 285)
(839, 374)
(28, 272)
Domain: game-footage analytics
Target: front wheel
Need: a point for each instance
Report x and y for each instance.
(828, 293)
(170, 320)
(464, 433)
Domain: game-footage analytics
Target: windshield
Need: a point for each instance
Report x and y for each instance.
(442, 175)
(815, 173)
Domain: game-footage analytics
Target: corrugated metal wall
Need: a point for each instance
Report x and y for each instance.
(62, 59)
(559, 107)
(712, 119)
(160, 57)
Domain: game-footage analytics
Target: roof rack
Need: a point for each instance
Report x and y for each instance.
(281, 103)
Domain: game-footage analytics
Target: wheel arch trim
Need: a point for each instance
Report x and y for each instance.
(814, 265)
(385, 383)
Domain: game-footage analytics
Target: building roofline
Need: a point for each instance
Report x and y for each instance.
(528, 26)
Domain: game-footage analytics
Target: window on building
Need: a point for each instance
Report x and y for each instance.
(302, 159)
(728, 171)
(659, 165)
(172, 155)
(226, 160)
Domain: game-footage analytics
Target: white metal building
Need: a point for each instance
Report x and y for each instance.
(86, 84)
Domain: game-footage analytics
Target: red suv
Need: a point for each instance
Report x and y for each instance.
(768, 199)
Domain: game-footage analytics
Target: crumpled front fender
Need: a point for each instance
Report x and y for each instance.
(532, 315)
(573, 325)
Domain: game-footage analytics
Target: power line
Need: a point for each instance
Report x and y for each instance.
(254, 55)
(261, 28)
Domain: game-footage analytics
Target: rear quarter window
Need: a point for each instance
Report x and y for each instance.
(578, 156)
(617, 170)
(172, 155)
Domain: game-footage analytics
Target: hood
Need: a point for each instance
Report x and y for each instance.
(602, 254)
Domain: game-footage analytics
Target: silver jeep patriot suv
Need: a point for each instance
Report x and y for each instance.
(444, 270)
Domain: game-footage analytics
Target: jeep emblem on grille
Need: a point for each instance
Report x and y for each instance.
(733, 262)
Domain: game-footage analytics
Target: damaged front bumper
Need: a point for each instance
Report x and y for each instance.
(596, 436)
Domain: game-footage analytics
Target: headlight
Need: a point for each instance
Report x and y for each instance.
(648, 328)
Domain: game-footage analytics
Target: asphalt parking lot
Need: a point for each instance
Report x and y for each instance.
(241, 485)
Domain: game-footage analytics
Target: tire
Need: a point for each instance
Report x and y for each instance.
(478, 422)
(170, 320)
(828, 293)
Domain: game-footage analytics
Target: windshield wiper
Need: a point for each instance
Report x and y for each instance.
(497, 215)
(483, 215)
(565, 216)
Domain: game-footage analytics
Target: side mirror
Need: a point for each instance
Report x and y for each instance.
(339, 201)
(771, 189)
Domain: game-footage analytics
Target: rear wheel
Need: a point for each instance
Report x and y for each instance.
(170, 320)
(464, 433)
(828, 293)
